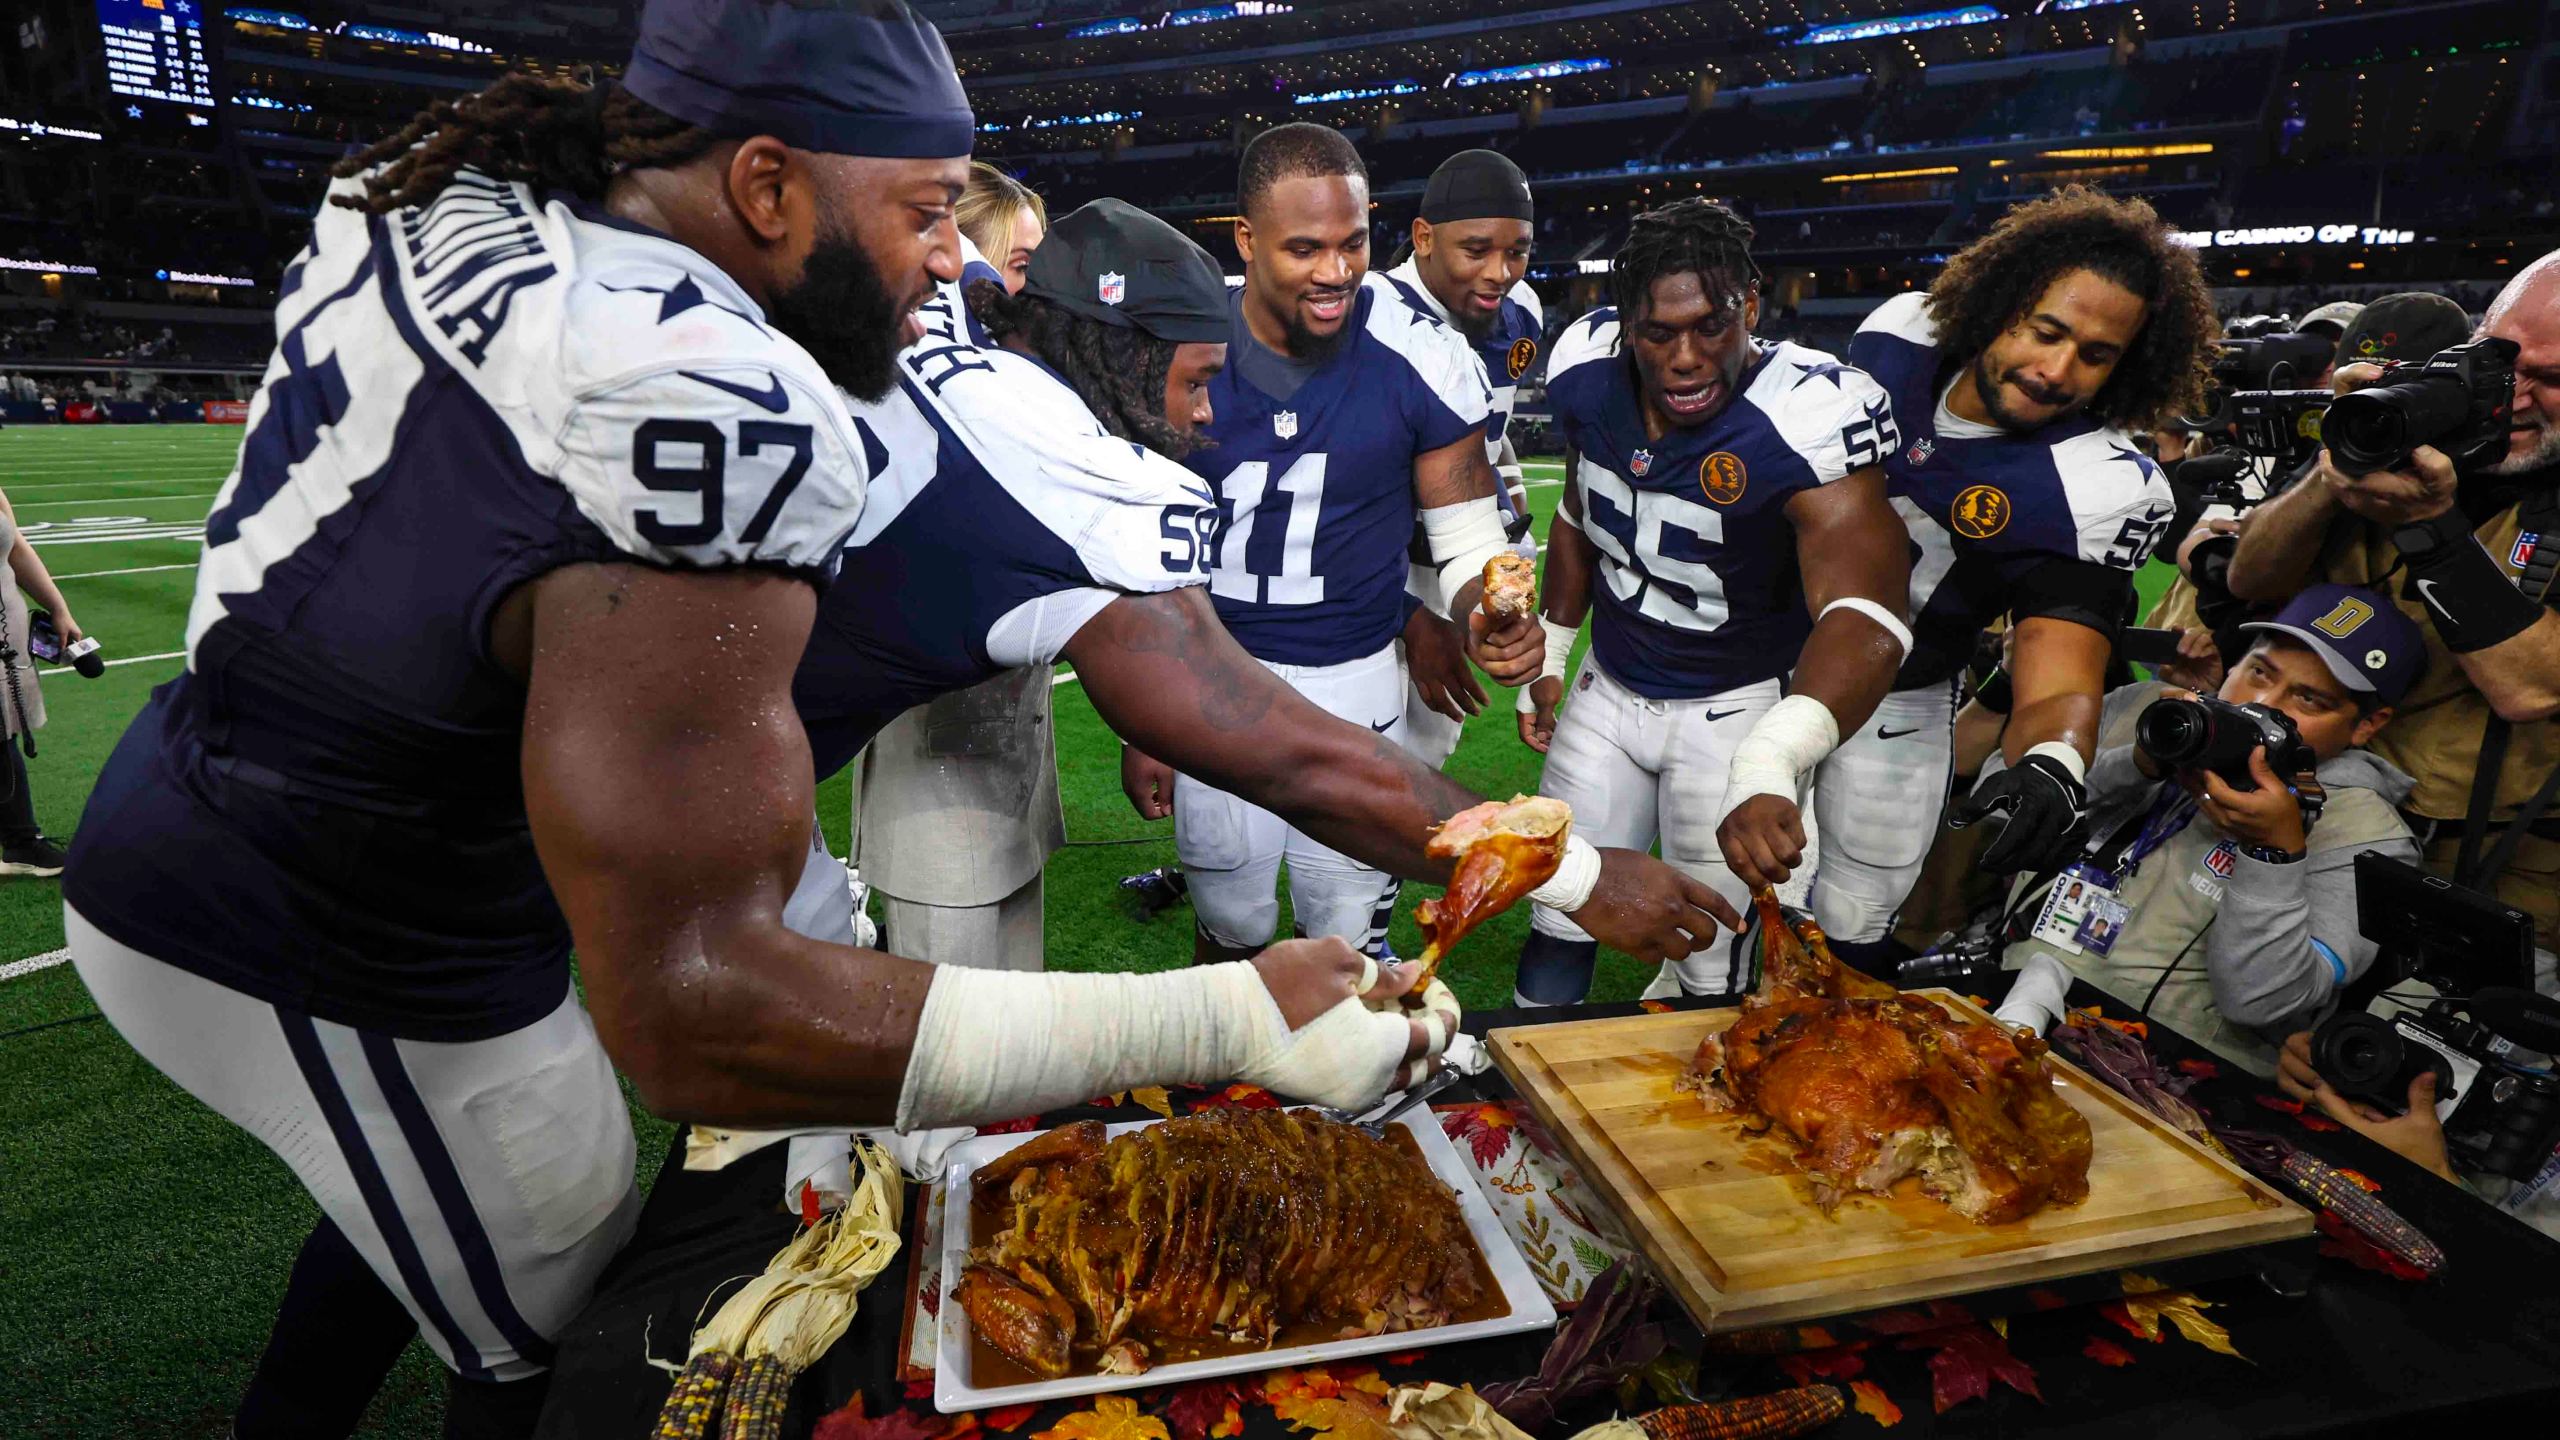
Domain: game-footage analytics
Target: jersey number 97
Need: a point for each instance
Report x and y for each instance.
(691, 457)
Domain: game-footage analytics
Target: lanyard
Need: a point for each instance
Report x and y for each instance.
(2170, 812)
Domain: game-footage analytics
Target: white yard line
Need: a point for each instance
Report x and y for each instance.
(147, 659)
(99, 502)
(136, 570)
(33, 963)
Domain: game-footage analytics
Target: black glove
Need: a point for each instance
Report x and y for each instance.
(2043, 804)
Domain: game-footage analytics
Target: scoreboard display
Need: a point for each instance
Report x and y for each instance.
(155, 50)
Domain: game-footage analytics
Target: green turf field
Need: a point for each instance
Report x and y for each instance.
(142, 1240)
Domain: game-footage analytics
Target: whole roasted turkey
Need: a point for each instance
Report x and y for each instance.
(1218, 1228)
(1874, 1085)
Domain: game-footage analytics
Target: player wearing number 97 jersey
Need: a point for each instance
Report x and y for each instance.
(1343, 413)
(1724, 523)
(2017, 381)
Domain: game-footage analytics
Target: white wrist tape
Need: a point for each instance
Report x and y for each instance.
(1784, 745)
(1560, 640)
(1577, 875)
(1462, 537)
(994, 1045)
(2065, 754)
(1891, 622)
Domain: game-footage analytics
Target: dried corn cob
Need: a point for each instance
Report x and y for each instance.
(693, 1402)
(1759, 1417)
(756, 1400)
(2379, 1223)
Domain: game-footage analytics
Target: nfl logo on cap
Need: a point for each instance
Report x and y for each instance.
(1115, 288)
(2522, 555)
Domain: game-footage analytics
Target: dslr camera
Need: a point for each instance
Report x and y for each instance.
(2456, 401)
(2498, 1118)
(2201, 732)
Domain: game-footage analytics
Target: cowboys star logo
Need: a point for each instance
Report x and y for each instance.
(1285, 424)
(1979, 513)
(1523, 351)
(1640, 463)
(1115, 288)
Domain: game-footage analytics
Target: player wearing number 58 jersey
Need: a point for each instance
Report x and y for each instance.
(2017, 380)
(1724, 523)
(1342, 413)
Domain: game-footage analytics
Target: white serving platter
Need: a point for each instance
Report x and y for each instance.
(953, 1387)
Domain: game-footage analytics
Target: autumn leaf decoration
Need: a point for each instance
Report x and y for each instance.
(1485, 1130)
(1113, 1417)
(1206, 1410)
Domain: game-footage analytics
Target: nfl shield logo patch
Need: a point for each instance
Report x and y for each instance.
(1285, 424)
(1115, 288)
(1920, 451)
(1640, 462)
(2522, 555)
(2219, 860)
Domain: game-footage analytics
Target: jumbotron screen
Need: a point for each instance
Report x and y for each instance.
(155, 50)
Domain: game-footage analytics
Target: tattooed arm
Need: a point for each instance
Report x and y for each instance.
(1170, 679)
(1172, 682)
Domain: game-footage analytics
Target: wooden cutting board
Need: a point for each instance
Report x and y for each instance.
(1729, 1220)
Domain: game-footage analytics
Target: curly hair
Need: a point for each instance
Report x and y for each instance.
(1690, 236)
(1992, 283)
(550, 134)
(1118, 372)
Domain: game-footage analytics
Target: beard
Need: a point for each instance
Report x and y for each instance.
(2545, 451)
(1987, 383)
(841, 312)
(1308, 346)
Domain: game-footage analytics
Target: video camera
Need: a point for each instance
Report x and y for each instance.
(2500, 1115)
(2203, 732)
(2265, 390)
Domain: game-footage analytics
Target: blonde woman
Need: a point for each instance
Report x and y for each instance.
(23, 848)
(1004, 218)
(957, 810)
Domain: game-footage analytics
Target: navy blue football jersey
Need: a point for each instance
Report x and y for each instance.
(2003, 524)
(1509, 354)
(1316, 487)
(325, 809)
(1001, 517)
(1699, 589)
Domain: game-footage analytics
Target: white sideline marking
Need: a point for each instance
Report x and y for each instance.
(147, 659)
(33, 963)
(136, 570)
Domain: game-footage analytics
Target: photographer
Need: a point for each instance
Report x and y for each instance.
(2476, 731)
(24, 850)
(2198, 841)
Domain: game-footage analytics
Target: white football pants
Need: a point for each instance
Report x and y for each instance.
(1878, 799)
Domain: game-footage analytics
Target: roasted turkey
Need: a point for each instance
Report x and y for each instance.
(1510, 585)
(1504, 850)
(1218, 1228)
(1875, 1085)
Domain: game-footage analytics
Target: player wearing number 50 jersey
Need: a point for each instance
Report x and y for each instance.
(1724, 523)
(1342, 412)
(2017, 380)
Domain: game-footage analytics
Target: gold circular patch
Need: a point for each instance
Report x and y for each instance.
(1980, 513)
(1722, 476)
(1523, 350)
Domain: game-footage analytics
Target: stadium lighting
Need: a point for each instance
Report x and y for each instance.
(2129, 152)
(37, 129)
(1912, 174)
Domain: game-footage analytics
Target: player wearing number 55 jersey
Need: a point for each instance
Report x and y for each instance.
(1342, 412)
(1724, 523)
(2016, 380)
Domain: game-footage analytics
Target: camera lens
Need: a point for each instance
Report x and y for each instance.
(2376, 428)
(2173, 732)
(2356, 1052)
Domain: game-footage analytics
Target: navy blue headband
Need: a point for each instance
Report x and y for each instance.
(846, 78)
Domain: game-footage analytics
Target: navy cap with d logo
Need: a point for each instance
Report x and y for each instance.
(847, 77)
(2365, 640)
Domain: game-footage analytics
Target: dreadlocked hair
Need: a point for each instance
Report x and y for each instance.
(1992, 283)
(1690, 236)
(1119, 372)
(550, 134)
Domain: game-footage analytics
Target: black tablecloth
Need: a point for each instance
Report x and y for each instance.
(2362, 1352)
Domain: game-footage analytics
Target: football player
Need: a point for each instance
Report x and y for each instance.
(2017, 381)
(1724, 521)
(1029, 511)
(491, 647)
(1470, 254)
(1343, 416)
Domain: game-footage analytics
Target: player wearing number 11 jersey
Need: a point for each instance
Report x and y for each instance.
(1341, 414)
(1724, 523)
